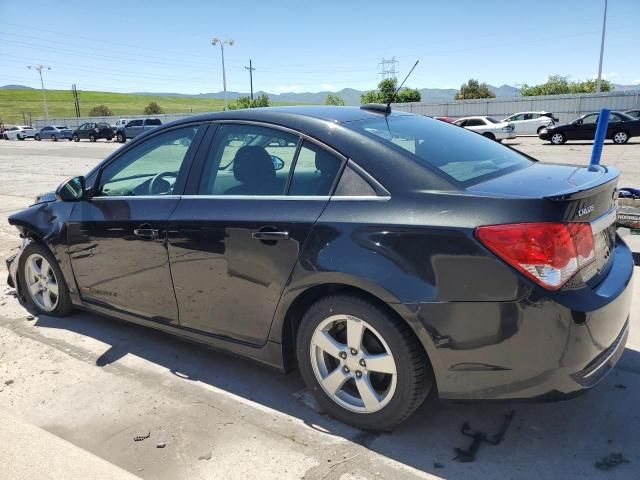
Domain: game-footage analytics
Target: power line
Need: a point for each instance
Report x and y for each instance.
(388, 68)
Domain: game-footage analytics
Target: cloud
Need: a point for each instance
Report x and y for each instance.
(326, 86)
(289, 88)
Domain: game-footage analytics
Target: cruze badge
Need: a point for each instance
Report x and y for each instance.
(585, 210)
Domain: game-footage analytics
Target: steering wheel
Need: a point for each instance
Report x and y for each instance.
(158, 182)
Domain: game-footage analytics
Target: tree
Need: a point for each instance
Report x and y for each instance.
(100, 111)
(386, 90)
(474, 89)
(334, 100)
(261, 100)
(153, 109)
(560, 85)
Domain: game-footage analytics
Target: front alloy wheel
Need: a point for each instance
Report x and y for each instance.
(558, 138)
(41, 282)
(363, 363)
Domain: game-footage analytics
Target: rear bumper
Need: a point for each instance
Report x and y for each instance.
(542, 347)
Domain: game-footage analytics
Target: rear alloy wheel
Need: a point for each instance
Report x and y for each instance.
(54, 138)
(620, 137)
(558, 138)
(364, 366)
(76, 138)
(37, 137)
(92, 138)
(42, 283)
(120, 138)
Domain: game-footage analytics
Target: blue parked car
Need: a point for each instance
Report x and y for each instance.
(54, 133)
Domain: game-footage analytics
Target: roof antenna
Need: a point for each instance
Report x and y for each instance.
(393, 97)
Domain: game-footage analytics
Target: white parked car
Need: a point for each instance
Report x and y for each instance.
(488, 127)
(120, 123)
(531, 123)
(19, 132)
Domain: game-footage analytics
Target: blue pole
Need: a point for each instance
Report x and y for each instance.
(601, 133)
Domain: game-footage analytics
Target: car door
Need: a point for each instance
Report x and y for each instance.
(45, 133)
(236, 236)
(117, 238)
(133, 128)
(585, 130)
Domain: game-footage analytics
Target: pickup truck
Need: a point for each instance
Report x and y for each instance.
(135, 128)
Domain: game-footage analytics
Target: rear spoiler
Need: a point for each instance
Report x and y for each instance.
(588, 189)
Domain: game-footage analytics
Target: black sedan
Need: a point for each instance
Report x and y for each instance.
(620, 129)
(382, 254)
(93, 131)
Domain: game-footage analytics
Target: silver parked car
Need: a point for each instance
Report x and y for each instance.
(54, 133)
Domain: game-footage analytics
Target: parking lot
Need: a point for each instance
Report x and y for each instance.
(98, 383)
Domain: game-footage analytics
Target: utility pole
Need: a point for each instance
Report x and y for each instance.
(251, 69)
(39, 68)
(604, 28)
(229, 42)
(76, 100)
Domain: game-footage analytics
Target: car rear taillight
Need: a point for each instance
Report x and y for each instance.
(548, 253)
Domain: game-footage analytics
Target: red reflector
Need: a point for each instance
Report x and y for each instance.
(548, 253)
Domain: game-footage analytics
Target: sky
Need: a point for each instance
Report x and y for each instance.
(300, 46)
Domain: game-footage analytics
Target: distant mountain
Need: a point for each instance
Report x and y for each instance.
(15, 87)
(626, 88)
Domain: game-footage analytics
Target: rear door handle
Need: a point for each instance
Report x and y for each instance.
(268, 235)
(147, 233)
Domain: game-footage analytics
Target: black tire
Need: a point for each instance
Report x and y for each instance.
(76, 138)
(64, 306)
(557, 138)
(620, 137)
(120, 138)
(37, 137)
(414, 374)
(20, 138)
(489, 135)
(109, 139)
(54, 138)
(92, 138)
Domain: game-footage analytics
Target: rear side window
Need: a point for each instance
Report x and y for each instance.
(315, 171)
(459, 154)
(153, 121)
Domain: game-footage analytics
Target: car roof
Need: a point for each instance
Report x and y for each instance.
(473, 117)
(329, 113)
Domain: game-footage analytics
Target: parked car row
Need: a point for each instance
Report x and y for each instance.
(92, 131)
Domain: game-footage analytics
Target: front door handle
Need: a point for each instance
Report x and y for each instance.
(147, 233)
(270, 235)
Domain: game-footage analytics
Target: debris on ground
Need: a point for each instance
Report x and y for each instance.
(140, 438)
(161, 445)
(611, 461)
(469, 455)
(8, 382)
(30, 317)
(207, 456)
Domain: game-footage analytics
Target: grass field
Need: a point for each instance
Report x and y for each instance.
(14, 102)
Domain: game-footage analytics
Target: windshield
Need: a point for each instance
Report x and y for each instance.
(460, 154)
(60, 128)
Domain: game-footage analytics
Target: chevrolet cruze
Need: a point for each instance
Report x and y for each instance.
(383, 254)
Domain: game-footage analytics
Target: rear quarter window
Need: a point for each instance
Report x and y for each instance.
(456, 153)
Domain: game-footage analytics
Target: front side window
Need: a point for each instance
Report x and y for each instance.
(315, 171)
(150, 168)
(457, 153)
(248, 160)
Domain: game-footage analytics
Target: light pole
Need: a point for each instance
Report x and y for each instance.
(229, 42)
(604, 28)
(39, 68)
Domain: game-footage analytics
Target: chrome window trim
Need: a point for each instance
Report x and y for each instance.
(134, 197)
(256, 197)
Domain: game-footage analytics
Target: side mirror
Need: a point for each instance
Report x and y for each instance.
(577, 122)
(278, 163)
(71, 190)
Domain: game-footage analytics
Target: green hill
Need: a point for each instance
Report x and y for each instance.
(14, 102)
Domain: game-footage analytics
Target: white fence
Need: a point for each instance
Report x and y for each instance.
(73, 122)
(565, 107)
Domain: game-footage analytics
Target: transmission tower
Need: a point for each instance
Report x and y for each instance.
(388, 68)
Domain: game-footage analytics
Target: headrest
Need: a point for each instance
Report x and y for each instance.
(253, 164)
